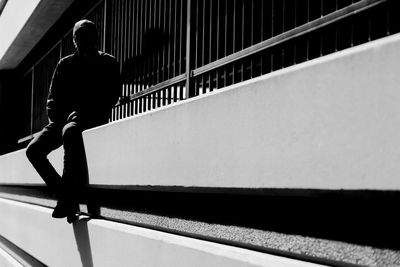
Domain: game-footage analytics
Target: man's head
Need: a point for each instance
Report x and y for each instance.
(85, 36)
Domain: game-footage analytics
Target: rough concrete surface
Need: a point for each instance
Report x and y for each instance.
(322, 249)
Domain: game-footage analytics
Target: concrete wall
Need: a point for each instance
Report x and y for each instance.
(101, 243)
(16, 169)
(331, 123)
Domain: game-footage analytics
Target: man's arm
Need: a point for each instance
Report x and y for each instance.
(115, 84)
(54, 109)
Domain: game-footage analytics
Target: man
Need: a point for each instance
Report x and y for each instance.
(84, 88)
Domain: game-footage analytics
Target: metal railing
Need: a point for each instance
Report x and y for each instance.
(170, 50)
(148, 38)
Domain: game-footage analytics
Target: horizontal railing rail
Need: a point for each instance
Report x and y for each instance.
(152, 89)
(286, 36)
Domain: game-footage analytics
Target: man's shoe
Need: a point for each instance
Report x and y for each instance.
(64, 209)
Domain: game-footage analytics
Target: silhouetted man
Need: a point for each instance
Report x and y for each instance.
(84, 88)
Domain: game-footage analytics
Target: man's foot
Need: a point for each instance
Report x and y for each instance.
(72, 218)
(64, 209)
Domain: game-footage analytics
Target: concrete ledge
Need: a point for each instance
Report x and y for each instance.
(330, 123)
(15, 167)
(103, 243)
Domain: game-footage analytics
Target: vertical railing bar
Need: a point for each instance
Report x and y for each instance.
(123, 51)
(388, 22)
(152, 70)
(176, 36)
(153, 55)
(234, 39)
(203, 33)
(295, 13)
(252, 23)
(217, 40)
(32, 97)
(352, 35)
(146, 59)
(272, 18)
(369, 29)
(262, 33)
(156, 62)
(149, 55)
(308, 38)
(132, 49)
(181, 40)
(105, 25)
(283, 30)
(157, 56)
(170, 47)
(203, 45)
(218, 28)
(164, 63)
(197, 41)
(118, 32)
(114, 29)
(243, 37)
(226, 40)
(125, 47)
(211, 27)
(210, 49)
(188, 44)
(234, 27)
(322, 9)
(118, 48)
(136, 28)
(112, 32)
(321, 40)
(129, 52)
(137, 52)
(252, 37)
(141, 63)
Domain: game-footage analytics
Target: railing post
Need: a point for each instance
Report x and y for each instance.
(189, 90)
(104, 25)
(32, 96)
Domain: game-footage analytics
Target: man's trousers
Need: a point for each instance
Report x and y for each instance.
(75, 166)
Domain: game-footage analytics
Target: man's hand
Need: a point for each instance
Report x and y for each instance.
(74, 116)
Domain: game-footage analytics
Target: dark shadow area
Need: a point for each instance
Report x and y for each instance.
(81, 233)
(359, 217)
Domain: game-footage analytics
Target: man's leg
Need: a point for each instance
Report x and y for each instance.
(48, 140)
(75, 166)
(75, 170)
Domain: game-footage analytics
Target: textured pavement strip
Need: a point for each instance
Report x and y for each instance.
(302, 245)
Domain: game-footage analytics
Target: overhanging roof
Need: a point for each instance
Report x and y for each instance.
(23, 24)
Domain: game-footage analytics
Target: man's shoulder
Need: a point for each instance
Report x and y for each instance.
(66, 59)
(107, 57)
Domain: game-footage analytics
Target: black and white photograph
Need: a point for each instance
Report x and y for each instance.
(199, 133)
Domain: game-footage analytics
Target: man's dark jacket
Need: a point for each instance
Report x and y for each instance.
(89, 87)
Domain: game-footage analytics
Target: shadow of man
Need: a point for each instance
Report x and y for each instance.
(81, 233)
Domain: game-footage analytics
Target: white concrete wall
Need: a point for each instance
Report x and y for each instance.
(15, 167)
(101, 243)
(331, 123)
